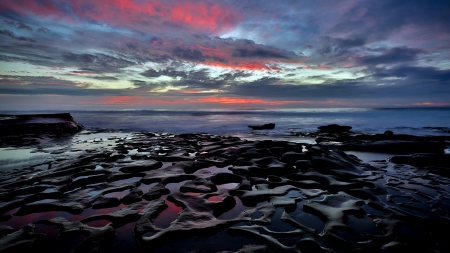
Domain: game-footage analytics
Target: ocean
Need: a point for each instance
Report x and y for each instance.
(417, 121)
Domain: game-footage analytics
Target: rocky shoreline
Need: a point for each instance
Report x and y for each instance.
(161, 192)
(28, 129)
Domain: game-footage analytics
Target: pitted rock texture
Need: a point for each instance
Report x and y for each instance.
(207, 193)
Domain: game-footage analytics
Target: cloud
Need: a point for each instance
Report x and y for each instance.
(413, 73)
(378, 20)
(170, 72)
(392, 55)
(189, 54)
(18, 25)
(10, 34)
(211, 16)
(212, 51)
(360, 90)
(24, 26)
(9, 22)
(48, 85)
(338, 46)
(105, 78)
(43, 30)
(257, 53)
(96, 62)
(233, 75)
(255, 49)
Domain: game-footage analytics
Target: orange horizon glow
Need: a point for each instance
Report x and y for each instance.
(140, 100)
(432, 104)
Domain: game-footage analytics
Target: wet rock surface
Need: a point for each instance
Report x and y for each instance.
(263, 126)
(149, 192)
(341, 137)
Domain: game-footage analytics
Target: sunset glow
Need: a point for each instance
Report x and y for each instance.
(142, 53)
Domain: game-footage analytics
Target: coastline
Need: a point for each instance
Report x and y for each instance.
(222, 193)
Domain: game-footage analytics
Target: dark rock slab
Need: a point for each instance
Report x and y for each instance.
(26, 129)
(291, 157)
(120, 217)
(198, 185)
(23, 239)
(267, 126)
(97, 237)
(148, 214)
(334, 128)
(5, 230)
(132, 197)
(70, 207)
(155, 192)
(334, 208)
(141, 166)
(268, 237)
(104, 202)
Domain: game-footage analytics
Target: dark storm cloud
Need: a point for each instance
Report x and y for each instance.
(7, 58)
(194, 79)
(11, 34)
(377, 20)
(170, 72)
(104, 78)
(231, 76)
(358, 90)
(339, 45)
(48, 85)
(201, 49)
(257, 53)
(190, 78)
(96, 62)
(9, 22)
(24, 26)
(43, 30)
(18, 25)
(393, 55)
(189, 54)
(202, 75)
(413, 73)
(39, 89)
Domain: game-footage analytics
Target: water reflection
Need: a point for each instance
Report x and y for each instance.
(168, 215)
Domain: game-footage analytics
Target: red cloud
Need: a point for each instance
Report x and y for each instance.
(201, 16)
(140, 100)
(225, 100)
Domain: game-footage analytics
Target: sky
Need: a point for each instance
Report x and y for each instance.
(189, 54)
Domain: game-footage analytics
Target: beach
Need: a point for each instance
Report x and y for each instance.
(317, 185)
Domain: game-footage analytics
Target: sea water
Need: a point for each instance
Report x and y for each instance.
(289, 122)
(416, 121)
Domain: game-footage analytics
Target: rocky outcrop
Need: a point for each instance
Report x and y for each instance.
(267, 126)
(334, 128)
(29, 128)
(385, 143)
